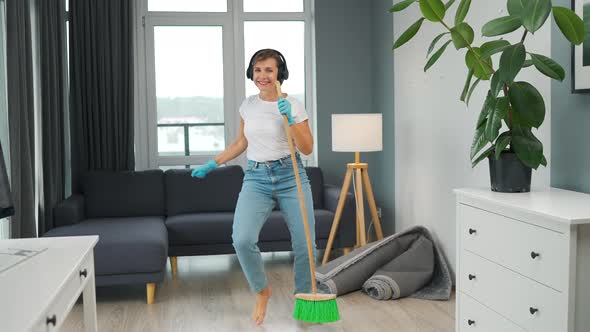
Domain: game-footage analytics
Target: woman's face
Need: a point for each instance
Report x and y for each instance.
(265, 74)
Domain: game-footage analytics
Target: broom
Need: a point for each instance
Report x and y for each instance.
(314, 307)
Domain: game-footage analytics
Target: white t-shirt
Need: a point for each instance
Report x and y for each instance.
(264, 128)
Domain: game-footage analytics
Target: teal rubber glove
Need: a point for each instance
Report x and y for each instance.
(201, 171)
(285, 109)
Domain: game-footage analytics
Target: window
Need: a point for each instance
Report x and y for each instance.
(187, 5)
(273, 6)
(189, 90)
(192, 56)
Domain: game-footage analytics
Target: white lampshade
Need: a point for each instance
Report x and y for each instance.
(357, 132)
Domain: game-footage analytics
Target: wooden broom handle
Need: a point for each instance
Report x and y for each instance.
(300, 191)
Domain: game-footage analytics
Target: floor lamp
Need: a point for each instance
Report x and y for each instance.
(356, 133)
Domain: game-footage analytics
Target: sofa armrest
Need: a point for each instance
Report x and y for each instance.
(69, 211)
(346, 234)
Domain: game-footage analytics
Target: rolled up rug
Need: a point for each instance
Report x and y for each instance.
(403, 275)
(349, 273)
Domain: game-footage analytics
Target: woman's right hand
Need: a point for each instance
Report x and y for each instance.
(201, 171)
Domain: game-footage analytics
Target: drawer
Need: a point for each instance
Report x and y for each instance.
(40, 326)
(528, 303)
(475, 317)
(69, 293)
(535, 252)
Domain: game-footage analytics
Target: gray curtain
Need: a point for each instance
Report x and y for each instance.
(6, 205)
(53, 58)
(20, 117)
(101, 73)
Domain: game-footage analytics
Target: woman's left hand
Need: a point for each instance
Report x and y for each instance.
(285, 109)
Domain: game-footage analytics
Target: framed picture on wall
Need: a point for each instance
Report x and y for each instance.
(581, 53)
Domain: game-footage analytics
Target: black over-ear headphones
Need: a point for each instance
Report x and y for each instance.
(283, 72)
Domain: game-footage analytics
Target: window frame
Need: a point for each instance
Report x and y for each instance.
(232, 22)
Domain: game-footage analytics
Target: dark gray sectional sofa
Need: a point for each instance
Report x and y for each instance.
(143, 217)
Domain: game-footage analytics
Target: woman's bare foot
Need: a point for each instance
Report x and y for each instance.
(260, 308)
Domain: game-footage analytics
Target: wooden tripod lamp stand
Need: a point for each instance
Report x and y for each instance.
(356, 133)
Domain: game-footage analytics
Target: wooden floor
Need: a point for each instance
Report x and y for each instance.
(211, 294)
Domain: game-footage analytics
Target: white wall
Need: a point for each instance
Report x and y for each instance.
(434, 130)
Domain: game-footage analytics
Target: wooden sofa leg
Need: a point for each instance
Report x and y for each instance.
(346, 250)
(173, 266)
(151, 292)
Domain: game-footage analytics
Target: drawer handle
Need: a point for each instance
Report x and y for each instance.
(470, 322)
(83, 273)
(533, 310)
(51, 320)
(471, 277)
(534, 254)
(471, 231)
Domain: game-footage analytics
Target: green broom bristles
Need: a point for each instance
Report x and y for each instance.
(316, 311)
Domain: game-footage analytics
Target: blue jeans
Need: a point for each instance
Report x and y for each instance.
(264, 184)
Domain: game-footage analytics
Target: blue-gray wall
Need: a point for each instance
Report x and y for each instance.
(570, 122)
(355, 75)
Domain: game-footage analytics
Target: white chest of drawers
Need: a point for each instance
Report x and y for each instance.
(523, 261)
(38, 292)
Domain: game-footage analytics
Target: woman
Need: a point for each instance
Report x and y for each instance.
(269, 177)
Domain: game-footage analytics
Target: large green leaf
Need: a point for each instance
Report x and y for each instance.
(497, 113)
(547, 66)
(401, 5)
(496, 84)
(501, 25)
(527, 147)
(485, 110)
(482, 69)
(466, 85)
(501, 143)
(479, 140)
(462, 11)
(434, 41)
(515, 7)
(482, 156)
(511, 62)
(433, 10)
(527, 63)
(527, 103)
(471, 89)
(462, 35)
(408, 34)
(492, 47)
(535, 14)
(570, 24)
(436, 55)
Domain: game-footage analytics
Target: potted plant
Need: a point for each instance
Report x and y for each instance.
(516, 106)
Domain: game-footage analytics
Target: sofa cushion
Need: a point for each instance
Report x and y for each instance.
(275, 228)
(216, 228)
(125, 245)
(123, 194)
(217, 192)
(200, 228)
(316, 180)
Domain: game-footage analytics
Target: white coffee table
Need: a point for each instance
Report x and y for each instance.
(41, 279)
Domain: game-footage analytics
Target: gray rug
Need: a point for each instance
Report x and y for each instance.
(408, 263)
